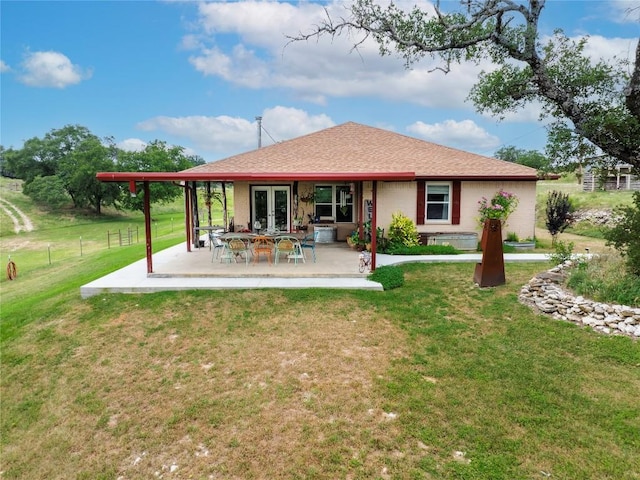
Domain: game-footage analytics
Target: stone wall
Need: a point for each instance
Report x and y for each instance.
(545, 293)
(602, 217)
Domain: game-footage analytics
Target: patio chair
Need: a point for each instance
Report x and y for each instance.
(309, 241)
(236, 247)
(290, 246)
(214, 231)
(217, 246)
(262, 246)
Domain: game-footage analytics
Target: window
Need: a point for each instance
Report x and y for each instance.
(335, 201)
(438, 202)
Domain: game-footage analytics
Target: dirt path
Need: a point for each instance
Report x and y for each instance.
(20, 221)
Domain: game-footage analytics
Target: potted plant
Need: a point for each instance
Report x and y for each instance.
(353, 239)
(499, 207)
(307, 197)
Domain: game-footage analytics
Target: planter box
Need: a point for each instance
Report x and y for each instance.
(326, 234)
(459, 241)
(521, 245)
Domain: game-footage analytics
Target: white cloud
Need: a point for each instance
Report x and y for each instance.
(4, 67)
(599, 47)
(245, 43)
(51, 69)
(625, 11)
(226, 135)
(284, 123)
(132, 145)
(137, 145)
(261, 56)
(465, 135)
(241, 67)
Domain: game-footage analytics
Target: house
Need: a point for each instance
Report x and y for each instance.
(321, 177)
(335, 179)
(619, 177)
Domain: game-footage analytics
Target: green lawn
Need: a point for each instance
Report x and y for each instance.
(317, 384)
(436, 379)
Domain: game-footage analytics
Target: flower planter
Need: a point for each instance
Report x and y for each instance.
(521, 245)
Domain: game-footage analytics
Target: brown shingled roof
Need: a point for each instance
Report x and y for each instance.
(356, 148)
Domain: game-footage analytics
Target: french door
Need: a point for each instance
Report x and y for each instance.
(270, 208)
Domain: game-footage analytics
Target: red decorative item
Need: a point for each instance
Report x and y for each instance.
(490, 272)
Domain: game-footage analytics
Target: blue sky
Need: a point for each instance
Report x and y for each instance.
(197, 74)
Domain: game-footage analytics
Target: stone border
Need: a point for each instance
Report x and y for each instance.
(545, 293)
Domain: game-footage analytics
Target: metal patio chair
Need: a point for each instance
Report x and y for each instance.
(290, 246)
(234, 248)
(262, 246)
(217, 246)
(309, 241)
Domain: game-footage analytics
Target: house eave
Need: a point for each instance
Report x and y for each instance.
(520, 178)
(248, 177)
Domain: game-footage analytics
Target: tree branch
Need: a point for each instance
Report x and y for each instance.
(486, 31)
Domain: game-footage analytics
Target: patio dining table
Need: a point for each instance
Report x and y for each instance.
(210, 229)
(248, 238)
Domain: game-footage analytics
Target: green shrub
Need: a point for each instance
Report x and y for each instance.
(47, 191)
(564, 252)
(599, 279)
(421, 250)
(402, 231)
(512, 237)
(389, 277)
(625, 236)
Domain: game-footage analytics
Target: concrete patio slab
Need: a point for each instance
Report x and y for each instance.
(336, 266)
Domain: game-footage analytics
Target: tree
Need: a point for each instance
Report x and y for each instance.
(4, 168)
(595, 107)
(47, 191)
(70, 156)
(78, 169)
(558, 214)
(42, 156)
(33, 160)
(529, 158)
(156, 157)
(625, 236)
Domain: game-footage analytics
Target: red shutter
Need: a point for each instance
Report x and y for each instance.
(420, 201)
(455, 206)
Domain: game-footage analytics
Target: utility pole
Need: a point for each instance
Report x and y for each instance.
(259, 119)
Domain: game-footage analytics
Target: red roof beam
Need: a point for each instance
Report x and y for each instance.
(238, 176)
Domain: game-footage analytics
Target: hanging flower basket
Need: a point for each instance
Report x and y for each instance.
(307, 197)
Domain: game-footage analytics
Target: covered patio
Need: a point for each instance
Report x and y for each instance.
(332, 260)
(176, 269)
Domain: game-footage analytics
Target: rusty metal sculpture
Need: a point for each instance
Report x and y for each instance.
(490, 272)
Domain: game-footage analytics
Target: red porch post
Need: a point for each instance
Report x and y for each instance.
(147, 226)
(374, 225)
(361, 210)
(187, 214)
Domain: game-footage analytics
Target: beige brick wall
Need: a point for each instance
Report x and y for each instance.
(401, 196)
(241, 205)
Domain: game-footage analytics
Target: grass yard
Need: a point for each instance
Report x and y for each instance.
(437, 379)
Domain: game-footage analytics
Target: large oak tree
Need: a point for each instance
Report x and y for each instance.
(594, 105)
